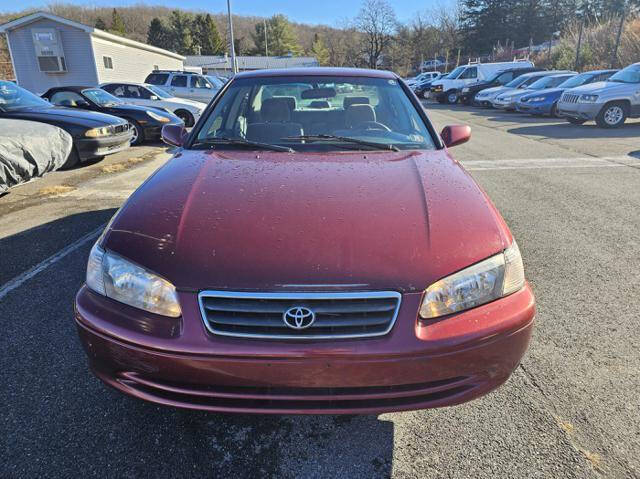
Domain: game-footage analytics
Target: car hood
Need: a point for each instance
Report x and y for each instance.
(496, 90)
(604, 86)
(272, 221)
(72, 116)
(177, 102)
(517, 93)
(549, 92)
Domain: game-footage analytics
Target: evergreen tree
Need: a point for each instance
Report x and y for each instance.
(117, 24)
(206, 36)
(180, 28)
(159, 35)
(100, 25)
(319, 50)
(280, 37)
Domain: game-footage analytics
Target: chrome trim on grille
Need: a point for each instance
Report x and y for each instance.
(298, 297)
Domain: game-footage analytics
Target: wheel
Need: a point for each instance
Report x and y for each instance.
(554, 111)
(138, 134)
(441, 101)
(575, 121)
(186, 117)
(452, 98)
(425, 95)
(612, 115)
(72, 160)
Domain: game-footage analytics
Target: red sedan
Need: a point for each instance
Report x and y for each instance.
(312, 247)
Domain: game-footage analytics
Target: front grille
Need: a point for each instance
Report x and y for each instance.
(570, 98)
(120, 128)
(262, 315)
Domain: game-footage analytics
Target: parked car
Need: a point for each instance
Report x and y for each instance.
(545, 102)
(29, 150)
(485, 98)
(183, 84)
(146, 123)
(508, 101)
(94, 134)
(268, 270)
(188, 111)
(423, 88)
(422, 77)
(446, 89)
(609, 103)
(467, 94)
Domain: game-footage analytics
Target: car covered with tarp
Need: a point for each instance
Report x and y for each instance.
(29, 150)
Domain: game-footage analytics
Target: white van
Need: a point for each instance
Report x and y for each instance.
(446, 89)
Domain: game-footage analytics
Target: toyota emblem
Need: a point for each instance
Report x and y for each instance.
(298, 317)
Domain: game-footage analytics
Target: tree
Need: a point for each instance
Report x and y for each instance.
(377, 22)
(206, 36)
(117, 24)
(180, 29)
(319, 50)
(100, 25)
(280, 37)
(159, 35)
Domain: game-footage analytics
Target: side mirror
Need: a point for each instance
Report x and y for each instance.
(455, 135)
(154, 97)
(82, 104)
(174, 135)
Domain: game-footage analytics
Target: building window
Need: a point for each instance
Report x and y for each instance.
(156, 67)
(108, 63)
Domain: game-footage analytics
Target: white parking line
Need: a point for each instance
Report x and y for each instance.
(30, 273)
(550, 163)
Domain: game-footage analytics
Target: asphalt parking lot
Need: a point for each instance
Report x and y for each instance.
(571, 196)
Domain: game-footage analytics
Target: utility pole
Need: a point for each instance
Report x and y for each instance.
(579, 44)
(266, 48)
(232, 48)
(555, 22)
(614, 57)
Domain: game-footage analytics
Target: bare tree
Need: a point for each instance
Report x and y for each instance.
(377, 22)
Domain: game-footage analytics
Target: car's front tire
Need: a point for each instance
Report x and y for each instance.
(72, 160)
(138, 133)
(186, 117)
(575, 121)
(612, 115)
(452, 97)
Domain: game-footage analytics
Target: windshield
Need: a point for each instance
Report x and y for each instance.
(280, 110)
(455, 73)
(630, 74)
(548, 82)
(515, 83)
(217, 83)
(101, 97)
(13, 97)
(159, 92)
(577, 80)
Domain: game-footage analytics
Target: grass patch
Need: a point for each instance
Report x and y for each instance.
(121, 166)
(56, 190)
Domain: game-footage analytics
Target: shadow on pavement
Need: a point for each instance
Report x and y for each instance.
(59, 420)
(588, 131)
(23, 250)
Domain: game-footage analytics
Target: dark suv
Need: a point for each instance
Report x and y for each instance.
(501, 78)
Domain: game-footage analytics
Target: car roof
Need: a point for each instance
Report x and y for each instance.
(318, 71)
(72, 88)
(598, 72)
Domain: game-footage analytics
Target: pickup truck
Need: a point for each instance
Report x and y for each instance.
(609, 102)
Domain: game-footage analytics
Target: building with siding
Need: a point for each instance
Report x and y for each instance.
(222, 64)
(47, 50)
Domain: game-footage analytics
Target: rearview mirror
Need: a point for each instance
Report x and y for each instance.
(454, 135)
(174, 135)
(318, 93)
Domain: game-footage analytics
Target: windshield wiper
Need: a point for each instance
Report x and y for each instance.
(346, 139)
(243, 142)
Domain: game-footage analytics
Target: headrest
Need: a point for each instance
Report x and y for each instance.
(354, 100)
(319, 104)
(276, 109)
(357, 114)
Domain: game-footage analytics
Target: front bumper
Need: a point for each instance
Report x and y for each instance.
(89, 148)
(483, 102)
(503, 104)
(579, 111)
(534, 108)
(417, 365)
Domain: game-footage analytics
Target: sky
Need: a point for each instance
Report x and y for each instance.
(327, 12)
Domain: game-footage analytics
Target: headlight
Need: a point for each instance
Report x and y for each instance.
(536, 99)
(114, 277)
(505, 98)
(160, 118)
(97, 132)
(588, 99)
(493, 278)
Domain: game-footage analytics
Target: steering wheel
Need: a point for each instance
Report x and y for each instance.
(371, 125)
